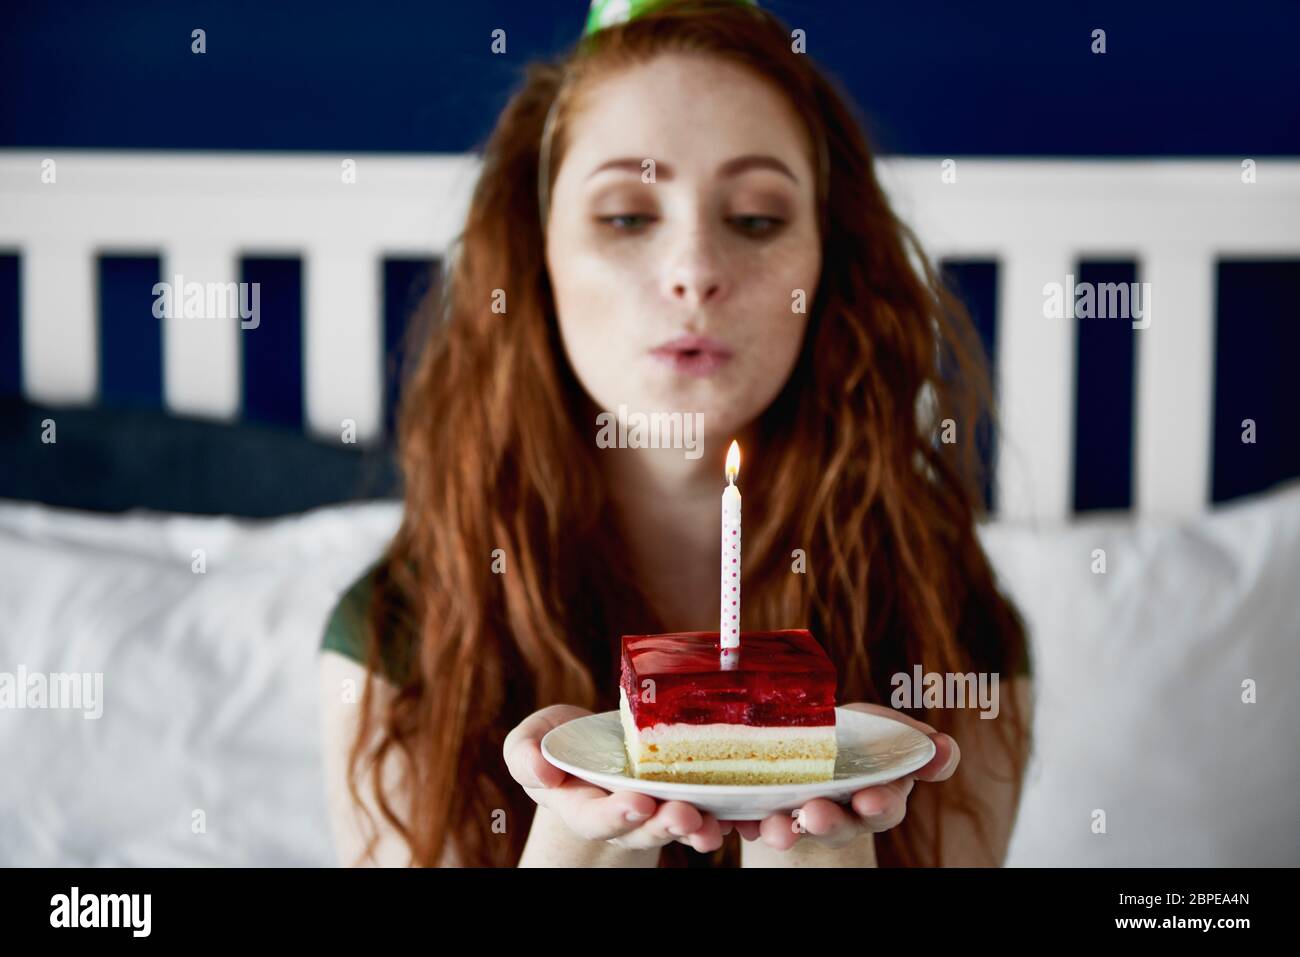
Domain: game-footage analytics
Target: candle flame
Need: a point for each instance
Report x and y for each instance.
(733, 462)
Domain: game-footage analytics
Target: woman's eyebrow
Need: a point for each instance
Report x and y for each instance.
(733, 167)
(742, 164)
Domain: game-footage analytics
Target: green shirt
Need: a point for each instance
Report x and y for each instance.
(345, 630)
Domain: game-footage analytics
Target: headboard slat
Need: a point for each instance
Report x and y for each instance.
(1175, 381)
(344, 342)
(1036, 388)
(201, 356)
(60, 335)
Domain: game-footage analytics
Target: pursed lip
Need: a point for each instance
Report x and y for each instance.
(688, 344)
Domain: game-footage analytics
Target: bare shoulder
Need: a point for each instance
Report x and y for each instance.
(342, 683)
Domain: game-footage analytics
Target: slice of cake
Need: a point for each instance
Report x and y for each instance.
(768, 720)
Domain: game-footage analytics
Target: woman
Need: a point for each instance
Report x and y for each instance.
(699, 179)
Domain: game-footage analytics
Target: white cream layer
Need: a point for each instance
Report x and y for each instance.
(793, 765)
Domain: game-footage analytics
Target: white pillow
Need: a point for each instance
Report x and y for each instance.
(1138, 676)
(209, 683)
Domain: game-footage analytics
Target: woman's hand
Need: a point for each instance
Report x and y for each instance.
(870, 810)
(625, 818)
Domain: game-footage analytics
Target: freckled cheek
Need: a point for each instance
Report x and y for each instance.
(770, 308)
(597, 300)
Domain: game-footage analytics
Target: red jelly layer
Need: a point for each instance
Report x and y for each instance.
(781, 679)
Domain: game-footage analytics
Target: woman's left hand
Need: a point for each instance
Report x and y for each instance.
(871, 810)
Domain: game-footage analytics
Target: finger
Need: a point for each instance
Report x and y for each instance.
(706, 838)
(778, 831)
(746, 829)
(883, 799)
(594, 813)
(672, 821)
(883, 806)
(947, 755)
(522, 749)
(544, 772)
(636, 808)
(529, 767)
(825, 819)
(675, 819)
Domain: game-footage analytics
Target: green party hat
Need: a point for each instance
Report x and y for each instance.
(607, 13)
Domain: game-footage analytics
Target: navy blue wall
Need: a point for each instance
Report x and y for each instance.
(943, 78)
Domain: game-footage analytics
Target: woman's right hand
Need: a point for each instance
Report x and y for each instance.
(625, 818)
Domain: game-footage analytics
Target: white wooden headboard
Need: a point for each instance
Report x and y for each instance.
(1037, 219)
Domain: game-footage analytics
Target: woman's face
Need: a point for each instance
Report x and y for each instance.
(718, 245)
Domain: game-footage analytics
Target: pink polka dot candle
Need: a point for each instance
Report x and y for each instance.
(729, 632)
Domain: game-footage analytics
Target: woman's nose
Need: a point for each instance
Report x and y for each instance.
(696, 290)
(695, 276)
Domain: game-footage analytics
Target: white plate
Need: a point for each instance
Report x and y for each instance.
(872, 750)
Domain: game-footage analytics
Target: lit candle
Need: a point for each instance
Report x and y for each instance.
(729, 632)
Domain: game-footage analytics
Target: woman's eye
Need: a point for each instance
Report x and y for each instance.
(620, 222)
(757, 225)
